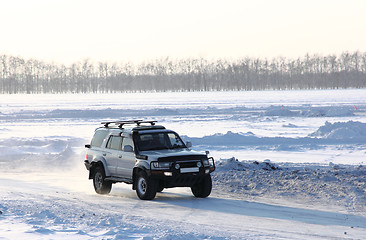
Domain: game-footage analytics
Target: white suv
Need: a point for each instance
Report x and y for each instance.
(148, 156)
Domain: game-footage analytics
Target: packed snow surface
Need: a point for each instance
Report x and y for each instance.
(289, 165)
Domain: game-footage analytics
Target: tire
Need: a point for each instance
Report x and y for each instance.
(145, 186)
(159, 189)
(203, 188)
(100, 185)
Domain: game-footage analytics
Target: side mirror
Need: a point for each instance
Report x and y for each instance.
(87, 146)
(189, 144)
(128, 148)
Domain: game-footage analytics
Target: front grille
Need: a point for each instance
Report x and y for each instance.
(182, 158)
(189, 164)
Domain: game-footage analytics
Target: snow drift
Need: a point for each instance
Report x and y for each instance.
(337, 133)
(342, 130)
(309, 111)
(334, 184)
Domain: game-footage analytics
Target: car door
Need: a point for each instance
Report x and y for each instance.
(113, 153)
(126, 163)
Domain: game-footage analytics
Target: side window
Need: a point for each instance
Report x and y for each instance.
(174, 141)
(127, 141)
(98, 138)
(114, 142)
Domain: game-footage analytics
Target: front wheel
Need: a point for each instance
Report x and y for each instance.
(100, 185)
(203, 188)
(145, 187)
(159, 188)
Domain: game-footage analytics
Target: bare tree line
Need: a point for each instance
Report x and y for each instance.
(347, 70)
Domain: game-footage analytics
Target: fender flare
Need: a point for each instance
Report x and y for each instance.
(98, 162)
(136, 170)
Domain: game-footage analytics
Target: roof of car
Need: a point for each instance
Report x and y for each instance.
(131, 125)
(129, 130)
(137, 123)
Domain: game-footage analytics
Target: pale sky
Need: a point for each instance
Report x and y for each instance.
(67, 31)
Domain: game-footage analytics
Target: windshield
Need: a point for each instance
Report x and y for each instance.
(158, 141)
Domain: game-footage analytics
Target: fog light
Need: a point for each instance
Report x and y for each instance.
(168, 174)
(207, 171)
(177, 166)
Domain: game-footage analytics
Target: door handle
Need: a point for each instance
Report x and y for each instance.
(104, 154)
(120, 156)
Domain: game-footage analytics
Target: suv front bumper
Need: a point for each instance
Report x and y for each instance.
(181, 177)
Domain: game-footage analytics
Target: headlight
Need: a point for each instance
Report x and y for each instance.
(161, 164)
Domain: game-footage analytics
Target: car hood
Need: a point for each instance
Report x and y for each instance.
(155, 154)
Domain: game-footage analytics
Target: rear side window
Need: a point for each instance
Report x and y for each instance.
(114, 142)
(98, 138)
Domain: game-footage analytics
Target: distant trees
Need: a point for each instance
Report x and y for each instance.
(347, 70)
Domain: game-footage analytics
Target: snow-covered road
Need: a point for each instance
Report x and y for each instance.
(61, 205)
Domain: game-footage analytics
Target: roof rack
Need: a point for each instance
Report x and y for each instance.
(121, 123)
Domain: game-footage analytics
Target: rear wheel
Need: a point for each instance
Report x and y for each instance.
(100, 185)
(145, 187)
(203, 188)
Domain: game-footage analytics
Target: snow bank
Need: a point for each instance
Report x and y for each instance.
(231, 139)
(290, 125)
(308, 111)
(342, 130)
(337, 133)
(342, 185)
(279, 111)
(234, 164)
(328, 112)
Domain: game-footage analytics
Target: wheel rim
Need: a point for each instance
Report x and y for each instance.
(98, 180)
(142, 185)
